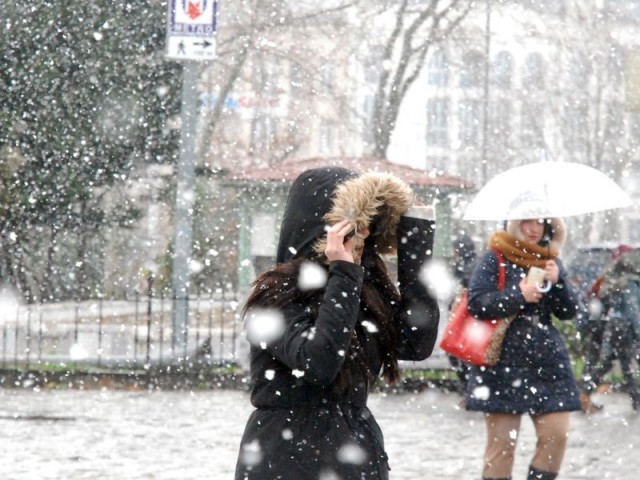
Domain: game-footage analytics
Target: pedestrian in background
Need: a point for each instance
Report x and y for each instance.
(463, 262)
(341, 328)
(533, 375)
(619, 294)
(591, 326)
(592, 330)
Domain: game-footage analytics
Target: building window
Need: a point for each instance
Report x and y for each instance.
(579, 68)
(634, 128)
(553, 7)
(470, 122)
(267, 72)
(472, 72)
(614, 122)
(633, 229)
(296, 78)
(502, 70)
(263, 234)
(367, 115)
(621, 9)
(439, 164)
(575, 126)
(500, 121)
(469, 167)
(615, 63)
(263, 132)
(533, 74)
(263, 240)
(438, 69)
(326, 137)
(532, 131)
(437, 122)
(327, 74)
(372, 64)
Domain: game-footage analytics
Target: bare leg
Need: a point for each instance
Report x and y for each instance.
(552, 430)
(502, 436)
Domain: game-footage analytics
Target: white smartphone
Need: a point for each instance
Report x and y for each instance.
(535, 276)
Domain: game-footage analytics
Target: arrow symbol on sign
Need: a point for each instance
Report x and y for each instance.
(204, 44)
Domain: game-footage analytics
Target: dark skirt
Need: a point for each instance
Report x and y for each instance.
(533, 375)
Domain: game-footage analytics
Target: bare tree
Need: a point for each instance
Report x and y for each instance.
(254, 38)
(414, 27)
(590, 116)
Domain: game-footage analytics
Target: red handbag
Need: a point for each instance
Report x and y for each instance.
(475, 341)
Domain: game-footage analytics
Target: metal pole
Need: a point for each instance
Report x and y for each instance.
(99, 351)
(487, 60)
(135, 330)
(184, 206)
(149, 306)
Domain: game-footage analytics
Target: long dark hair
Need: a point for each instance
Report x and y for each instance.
(277, 288)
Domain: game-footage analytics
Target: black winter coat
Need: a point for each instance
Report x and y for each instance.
(534, 372)
(310, 392)
(305, 425)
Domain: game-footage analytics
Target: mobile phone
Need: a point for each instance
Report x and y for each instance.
(349, 235)
(535, 276)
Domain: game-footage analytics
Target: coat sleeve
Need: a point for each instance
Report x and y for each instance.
(486, 300)
(563, 300)
(418, 315)
(316, 349)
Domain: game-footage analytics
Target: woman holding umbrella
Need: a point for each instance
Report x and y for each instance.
(533, 375)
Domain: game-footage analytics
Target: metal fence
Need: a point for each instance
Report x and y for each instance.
(110, 333)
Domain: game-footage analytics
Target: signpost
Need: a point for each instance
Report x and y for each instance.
(191, 29)
(191, 32)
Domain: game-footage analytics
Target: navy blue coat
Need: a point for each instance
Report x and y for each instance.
(534, 373)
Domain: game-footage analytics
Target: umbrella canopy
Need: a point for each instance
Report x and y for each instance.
(546, 190)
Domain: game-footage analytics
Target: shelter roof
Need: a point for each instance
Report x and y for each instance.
(286, 172)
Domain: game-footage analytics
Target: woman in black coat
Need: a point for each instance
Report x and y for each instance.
(327, 321)
(533, 375)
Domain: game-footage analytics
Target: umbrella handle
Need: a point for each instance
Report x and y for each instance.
(544, 287)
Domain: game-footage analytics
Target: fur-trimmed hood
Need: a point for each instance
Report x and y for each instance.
(324, 196)
(555, 232)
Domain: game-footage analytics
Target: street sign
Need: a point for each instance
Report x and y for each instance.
(191, 29)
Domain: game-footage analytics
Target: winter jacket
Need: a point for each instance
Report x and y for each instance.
(311, 419)
(534, 372)
(620, 292)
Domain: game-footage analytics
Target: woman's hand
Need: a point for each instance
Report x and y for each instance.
(551, 271)
(530, 291)
(337, 248)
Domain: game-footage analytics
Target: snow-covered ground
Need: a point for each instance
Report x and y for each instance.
(71, 434)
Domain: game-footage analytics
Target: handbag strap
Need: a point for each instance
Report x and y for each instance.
(501, 270)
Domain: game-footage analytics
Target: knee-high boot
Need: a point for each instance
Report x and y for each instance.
(535, 474)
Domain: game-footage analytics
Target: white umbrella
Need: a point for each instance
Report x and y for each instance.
(546, 190)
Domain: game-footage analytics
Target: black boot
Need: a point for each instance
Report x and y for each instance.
(535, 474)
(635, 397)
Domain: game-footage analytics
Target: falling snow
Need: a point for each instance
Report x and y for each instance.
(264, 326)
(312, 276)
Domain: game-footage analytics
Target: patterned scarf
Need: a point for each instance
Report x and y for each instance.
(520, 252)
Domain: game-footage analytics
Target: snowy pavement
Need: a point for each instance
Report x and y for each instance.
(71, 434)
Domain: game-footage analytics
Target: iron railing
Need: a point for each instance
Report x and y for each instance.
(114, 333)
